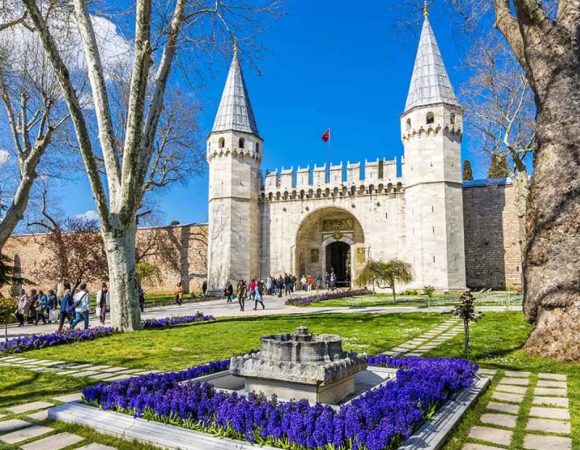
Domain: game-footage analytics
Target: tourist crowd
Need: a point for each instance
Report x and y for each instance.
(64, 303)
(286, 284)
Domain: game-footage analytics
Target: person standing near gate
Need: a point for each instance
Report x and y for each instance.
(241, 293)
(103, 302)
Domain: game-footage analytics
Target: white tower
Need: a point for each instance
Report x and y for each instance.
(431, 129)
(234, 153)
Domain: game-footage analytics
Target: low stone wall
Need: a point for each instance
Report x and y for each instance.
(179, 252)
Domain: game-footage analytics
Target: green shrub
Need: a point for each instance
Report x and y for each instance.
(410, 292)
(7, 312)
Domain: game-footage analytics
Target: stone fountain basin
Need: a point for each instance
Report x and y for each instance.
(364, 381)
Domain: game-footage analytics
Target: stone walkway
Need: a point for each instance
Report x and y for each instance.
(429, 340)
(92, 371)
(546, 421)
(22, 427)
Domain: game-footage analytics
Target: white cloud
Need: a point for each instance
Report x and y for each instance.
(88, 215)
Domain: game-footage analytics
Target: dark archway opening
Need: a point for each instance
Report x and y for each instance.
(338, 259)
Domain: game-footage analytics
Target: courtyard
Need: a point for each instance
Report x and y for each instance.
(507, 415)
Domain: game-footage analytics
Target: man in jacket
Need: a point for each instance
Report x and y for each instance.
(81, 305)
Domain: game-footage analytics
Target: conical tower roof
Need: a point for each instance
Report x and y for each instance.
(429, 83)
(235, 111)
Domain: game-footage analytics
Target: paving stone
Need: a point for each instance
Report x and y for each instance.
(399, 349)
(493, 435)
(119, 378)
(561, 402)
(75, 366)
(479, 447)
(84, 373)
(505, 397)
(515, 381)
(29, 407)
(68, 397)
(101, 367)
(550, 413)
(55, 442)
(413, 354)
(24, 434)
(96, 446)
(501, 420)
(102, 376)
(40, 415)
(511, 389)
(13, 424)
(543, 442)
(553, 392)
(504, 407)
(552, 376)
(552, 384)
(488, 371)
(516, 373)
(549, 426)
(391, 353)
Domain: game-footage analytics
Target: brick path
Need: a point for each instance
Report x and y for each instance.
(546, 421)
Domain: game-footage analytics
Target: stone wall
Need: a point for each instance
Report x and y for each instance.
(179, 252)
(492, 253)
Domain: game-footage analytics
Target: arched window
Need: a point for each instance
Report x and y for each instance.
(257, 147)
(241, 143)
(452, 118)
(430, 118)
(222, 143)
(408, 124)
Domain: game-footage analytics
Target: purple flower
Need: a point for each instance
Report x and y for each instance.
(378, 420)
(304, 301)
(176, 320)
(35, 341)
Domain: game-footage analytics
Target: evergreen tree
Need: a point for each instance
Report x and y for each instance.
(467, 172)
(499, 166)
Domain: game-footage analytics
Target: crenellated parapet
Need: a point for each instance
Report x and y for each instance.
(370, 178)
(430, 121)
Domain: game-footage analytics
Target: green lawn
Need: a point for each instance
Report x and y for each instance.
(181, 347)
(495, 298)
(496, 343)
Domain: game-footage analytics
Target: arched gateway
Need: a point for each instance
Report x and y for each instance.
(330, 240)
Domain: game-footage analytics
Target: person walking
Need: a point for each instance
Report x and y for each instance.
(179, 294)
(252, 289)
(259, 296)
(103, 302)
(42, 308)
(280, 285)
(82, 307)
(141, 297)
(204, 288)
(241, 293)
(229, 292)
(66, 307)
(22, 307)
(287, 285)
(32, 304)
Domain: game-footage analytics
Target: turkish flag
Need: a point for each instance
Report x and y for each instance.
(326, 136)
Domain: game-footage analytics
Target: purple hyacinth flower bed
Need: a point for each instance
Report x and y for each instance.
(305, 301)
(176, 320)
(380, 419)
(34, 342)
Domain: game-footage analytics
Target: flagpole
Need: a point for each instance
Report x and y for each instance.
(329, 153)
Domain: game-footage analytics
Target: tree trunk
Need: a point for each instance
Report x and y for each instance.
(552, 259)
(521, 184)
(394, 294)
(18, 206)
(124, 298)
(466, 338)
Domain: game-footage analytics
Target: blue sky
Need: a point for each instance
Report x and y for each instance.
(336, 64)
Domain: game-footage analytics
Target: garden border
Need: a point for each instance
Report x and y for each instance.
(430, 436)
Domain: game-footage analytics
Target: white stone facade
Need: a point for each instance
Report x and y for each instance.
(309, 222)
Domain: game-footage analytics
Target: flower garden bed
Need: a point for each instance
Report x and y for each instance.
(380, 419)
(176, 320)
(305, 301)
(38, 341)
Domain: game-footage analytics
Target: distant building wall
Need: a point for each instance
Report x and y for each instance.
(179, 252)
(492, 253)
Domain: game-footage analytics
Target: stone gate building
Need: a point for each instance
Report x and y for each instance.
(336, 218)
